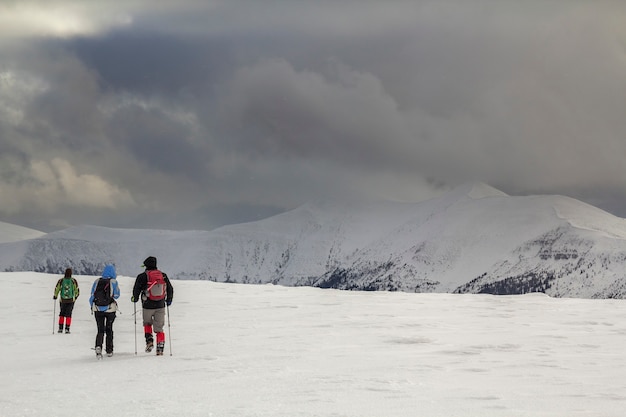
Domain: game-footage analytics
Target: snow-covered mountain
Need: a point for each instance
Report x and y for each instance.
(12, 233)
(472, 239)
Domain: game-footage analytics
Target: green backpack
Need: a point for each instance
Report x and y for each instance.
(67, 289)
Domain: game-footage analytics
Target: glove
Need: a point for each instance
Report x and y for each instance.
(54, 297)
(168, 302)
(132, 300)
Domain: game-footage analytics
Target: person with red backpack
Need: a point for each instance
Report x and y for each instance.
(67, 288)
(156, 292)
(104, 291)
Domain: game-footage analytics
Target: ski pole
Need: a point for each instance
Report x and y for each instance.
(135, 314)
(54, 314)
(169, 328)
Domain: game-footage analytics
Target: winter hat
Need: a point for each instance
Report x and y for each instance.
(150, 262)
(109, 272)
(68, 273)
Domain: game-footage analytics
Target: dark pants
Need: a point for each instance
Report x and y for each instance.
(105, 325)
(66, 309)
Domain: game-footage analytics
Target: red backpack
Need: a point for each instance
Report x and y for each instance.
(156, 285)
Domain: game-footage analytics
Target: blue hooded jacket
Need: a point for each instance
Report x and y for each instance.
(107, 273)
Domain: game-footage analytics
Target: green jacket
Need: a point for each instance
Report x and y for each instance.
(57, 290)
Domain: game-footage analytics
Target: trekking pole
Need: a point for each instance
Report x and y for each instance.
(135, 314)
(169, 328)
(54, 314)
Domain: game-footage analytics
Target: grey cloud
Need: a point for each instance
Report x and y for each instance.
(159, 141)
(277, 110)
(155, 63)
(67, 110)
(197, 108)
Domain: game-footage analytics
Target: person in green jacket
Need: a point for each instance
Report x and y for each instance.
(67, 289)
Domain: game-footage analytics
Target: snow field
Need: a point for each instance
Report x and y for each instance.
(249, 350)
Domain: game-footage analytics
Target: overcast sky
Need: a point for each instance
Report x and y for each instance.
(193, 114)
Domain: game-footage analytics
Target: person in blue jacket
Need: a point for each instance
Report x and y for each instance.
(104, 291)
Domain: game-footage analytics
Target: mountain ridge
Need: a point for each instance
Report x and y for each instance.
(14, 233)
(471, 239)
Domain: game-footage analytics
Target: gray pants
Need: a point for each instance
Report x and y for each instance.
(154, 317)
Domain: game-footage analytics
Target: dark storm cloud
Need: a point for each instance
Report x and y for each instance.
(153, 62)
(282, 111)
(203, 113)
(158, 141)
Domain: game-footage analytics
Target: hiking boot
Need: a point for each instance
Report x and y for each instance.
(99, 352)
(160, 347)
(60, 328)
(67, 329)
(109, 354)
(149, 346)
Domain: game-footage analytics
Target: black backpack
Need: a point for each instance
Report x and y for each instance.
(102, 293)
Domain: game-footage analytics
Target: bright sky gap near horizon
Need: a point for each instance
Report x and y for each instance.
(196, 114)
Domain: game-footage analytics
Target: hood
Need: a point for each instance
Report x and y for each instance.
(109, 272)
(150, 262)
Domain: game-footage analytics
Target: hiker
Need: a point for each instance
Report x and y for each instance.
(156, 292)
(104, 292)
(67, 288)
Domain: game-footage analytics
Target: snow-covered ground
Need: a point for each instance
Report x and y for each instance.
(248, 350)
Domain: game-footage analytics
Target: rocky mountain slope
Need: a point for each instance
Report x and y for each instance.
(473, 239)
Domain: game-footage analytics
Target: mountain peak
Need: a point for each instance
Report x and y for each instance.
(471, 239)
(478, 190)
